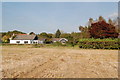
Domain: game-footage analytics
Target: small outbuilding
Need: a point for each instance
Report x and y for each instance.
(62, 40)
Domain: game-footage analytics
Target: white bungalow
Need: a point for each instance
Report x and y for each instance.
(26, 39)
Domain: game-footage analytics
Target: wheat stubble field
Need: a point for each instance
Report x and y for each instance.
(26, 62)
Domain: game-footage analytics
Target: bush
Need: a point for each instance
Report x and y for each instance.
(101, 29)
(99, 44)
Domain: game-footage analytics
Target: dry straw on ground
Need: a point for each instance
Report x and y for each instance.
(24, 62)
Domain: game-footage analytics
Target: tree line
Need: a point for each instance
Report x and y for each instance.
(99, 28)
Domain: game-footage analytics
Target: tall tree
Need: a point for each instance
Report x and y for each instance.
(57, 34)
(43, 35)
(6, 35)
(84, 32)
(110, 21)
(90, 21)
(81, 28)
(102, 29)
(6, 38)
(101, 18)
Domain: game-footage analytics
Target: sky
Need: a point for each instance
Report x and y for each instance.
(49, 16)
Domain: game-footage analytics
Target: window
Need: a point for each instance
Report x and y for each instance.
(17, 41)
(35, 42)
(25, 42)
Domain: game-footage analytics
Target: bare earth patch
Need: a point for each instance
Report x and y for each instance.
(21, 62)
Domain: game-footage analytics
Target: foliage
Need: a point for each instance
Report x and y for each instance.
(101, 19)
(98, 40)
(7, 35)
(57, 34)
(50, 35)
(31, 33)
(84, 32)
(67, 36)
(102, 29)
(43, 35)
(73, 37)
(98, 34)
(14, 32)
(116, 22)
(99, 43)
(2, 34)
(110, 21)
(48, 41)
(5, 38)
(90, 21)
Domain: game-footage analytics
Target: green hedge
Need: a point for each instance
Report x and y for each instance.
(95, 40)
(99, 44)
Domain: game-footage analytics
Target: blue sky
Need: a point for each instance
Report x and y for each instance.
(50, 16)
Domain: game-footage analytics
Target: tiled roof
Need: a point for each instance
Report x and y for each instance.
(24, 37)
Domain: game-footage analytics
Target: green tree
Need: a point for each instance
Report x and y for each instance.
(6, 35)
(6, 38)
(84, 32)
(48, 41)
(110, 21)
(116, 22)
(101, 18)
(31, 33)
(81, 28)
(67, 36)
(43, 35)
(90, 21)
(75, 35)
(50, 35)
(57, 34)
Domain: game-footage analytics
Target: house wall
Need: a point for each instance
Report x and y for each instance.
(21, 41)
(34, 41)
(40, 42)
(29, 42)
(37, 42)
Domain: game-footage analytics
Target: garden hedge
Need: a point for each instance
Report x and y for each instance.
(99, 45)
